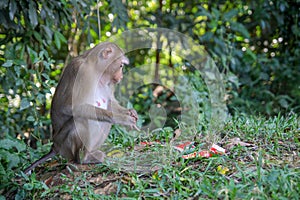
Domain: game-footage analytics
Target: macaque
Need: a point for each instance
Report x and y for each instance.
(84, 108)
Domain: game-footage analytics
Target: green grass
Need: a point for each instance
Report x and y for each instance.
(268, 168)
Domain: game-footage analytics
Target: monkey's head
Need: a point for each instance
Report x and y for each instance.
(110, 62)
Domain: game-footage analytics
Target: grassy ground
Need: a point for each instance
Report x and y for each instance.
(262, 162)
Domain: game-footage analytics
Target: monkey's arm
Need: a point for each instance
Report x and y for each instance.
(116, 107)
(88, 111)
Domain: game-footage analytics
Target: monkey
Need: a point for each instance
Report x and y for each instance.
(83, 107)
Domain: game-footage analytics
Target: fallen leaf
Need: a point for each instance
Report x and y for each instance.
(222, 170)
(237, 141)
(115, 154)
(177, 133)
(96, 180)
(48, 181)
(108, 189)
(145, 143)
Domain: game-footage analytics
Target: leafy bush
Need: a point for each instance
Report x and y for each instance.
(254, 43)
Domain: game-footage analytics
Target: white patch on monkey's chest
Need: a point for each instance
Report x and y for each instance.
(101, 103)
(98, 130)
(101, 98)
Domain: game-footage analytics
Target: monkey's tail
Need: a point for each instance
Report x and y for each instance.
(40, 161)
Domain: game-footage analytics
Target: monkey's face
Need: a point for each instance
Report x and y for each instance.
(118, 75)
(113, 59)
(118, 66)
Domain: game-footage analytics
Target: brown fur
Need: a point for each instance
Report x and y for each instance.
(79, 125)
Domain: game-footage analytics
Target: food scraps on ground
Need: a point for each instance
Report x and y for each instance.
(215, 149)
(188, 149)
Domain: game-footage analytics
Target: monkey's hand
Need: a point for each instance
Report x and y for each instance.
(134, 114)
(125, 119)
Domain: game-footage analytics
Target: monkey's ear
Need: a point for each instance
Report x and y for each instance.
(106, 52)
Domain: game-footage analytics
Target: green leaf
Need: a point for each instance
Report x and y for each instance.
(19, 82)
(32, 15)
(48, 32)
(251, 54)
(46, 76)
(19, 62)
(57, 40)
(230, 14)
(24, 104)
(3, 4)
(206, 37)
(216, 13)
(10, 144)
(263, 24)
(283, 103)
(8, 63)
(233, 79)
(38, 36)
(61, 37)
(282, 7)
(12, 9)
(151, 191)
(269, 107)
(238, 27)
(30, 119)
(203, 12)
(40, 97)
(28, 186)
(33, 55)
(20, 195)
(2, 170)
(13, 160)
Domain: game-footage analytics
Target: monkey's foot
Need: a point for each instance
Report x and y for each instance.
(94, 157)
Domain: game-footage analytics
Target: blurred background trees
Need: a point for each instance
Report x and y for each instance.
(255, 44)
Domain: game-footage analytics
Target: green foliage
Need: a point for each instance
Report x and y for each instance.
(270, 58)
(26, 87)
(255, 44)
(30, 187)
(79, 189)
(13, 154)
(254, 173)
(266, 169)
(119, 136)
(9, 158)
(250, 42)
(27, 63)
(120, 14)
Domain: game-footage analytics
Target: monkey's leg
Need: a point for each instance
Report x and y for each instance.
(94, 157)
(96, 136)
(67, 142)
(64, 143)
